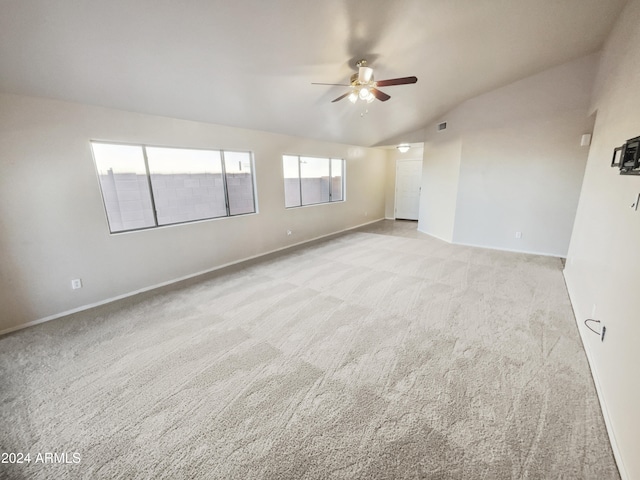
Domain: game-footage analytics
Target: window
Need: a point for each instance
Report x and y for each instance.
(312, 180)
(146, 187)
(125, 186)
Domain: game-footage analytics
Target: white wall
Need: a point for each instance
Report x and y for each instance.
(440, 177)
(520, 163)
(53, 225)
(603, 265)
(526, 178)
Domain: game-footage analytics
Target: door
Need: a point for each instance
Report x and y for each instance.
(408, 182)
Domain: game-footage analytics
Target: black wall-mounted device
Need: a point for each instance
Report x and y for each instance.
(627, 157)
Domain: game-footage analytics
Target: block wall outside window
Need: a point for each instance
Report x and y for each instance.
(145, 187)
(312, 180)
(187, 184)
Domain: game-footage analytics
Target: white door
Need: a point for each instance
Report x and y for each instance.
(408, 182)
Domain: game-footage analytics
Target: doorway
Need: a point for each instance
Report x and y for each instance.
(408, 185)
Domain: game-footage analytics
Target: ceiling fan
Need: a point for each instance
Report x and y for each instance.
(363, 86)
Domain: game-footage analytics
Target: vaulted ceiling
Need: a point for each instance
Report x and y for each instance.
(250, 63)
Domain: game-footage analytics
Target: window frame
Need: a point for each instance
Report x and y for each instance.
(144, 147)
(330, 177)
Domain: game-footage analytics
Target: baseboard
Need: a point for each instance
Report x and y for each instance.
(434, 236)
(176, 280)
(596, 381)
(527, 252)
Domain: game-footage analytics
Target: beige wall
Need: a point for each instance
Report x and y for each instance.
(511, 159)
(603, 265)
(390, 185)
(52, 221)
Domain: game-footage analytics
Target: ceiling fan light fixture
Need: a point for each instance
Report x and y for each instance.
(364, 93)
(370, 98)
(353, 97)
(403, 147)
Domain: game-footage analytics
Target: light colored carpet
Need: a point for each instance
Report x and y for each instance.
(367, 356)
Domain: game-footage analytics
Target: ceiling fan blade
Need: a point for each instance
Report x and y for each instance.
(336, 84)
(396, 81)
(383, 97)
(341, 97)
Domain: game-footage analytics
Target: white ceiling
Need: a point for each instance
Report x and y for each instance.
(250, 63)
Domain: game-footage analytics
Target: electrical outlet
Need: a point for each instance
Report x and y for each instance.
(518, 234)
(593, 311)
(366, 213)
(289, 232)
(76, 283)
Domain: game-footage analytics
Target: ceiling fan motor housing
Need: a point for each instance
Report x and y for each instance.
(357, 79)
(365, 74)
